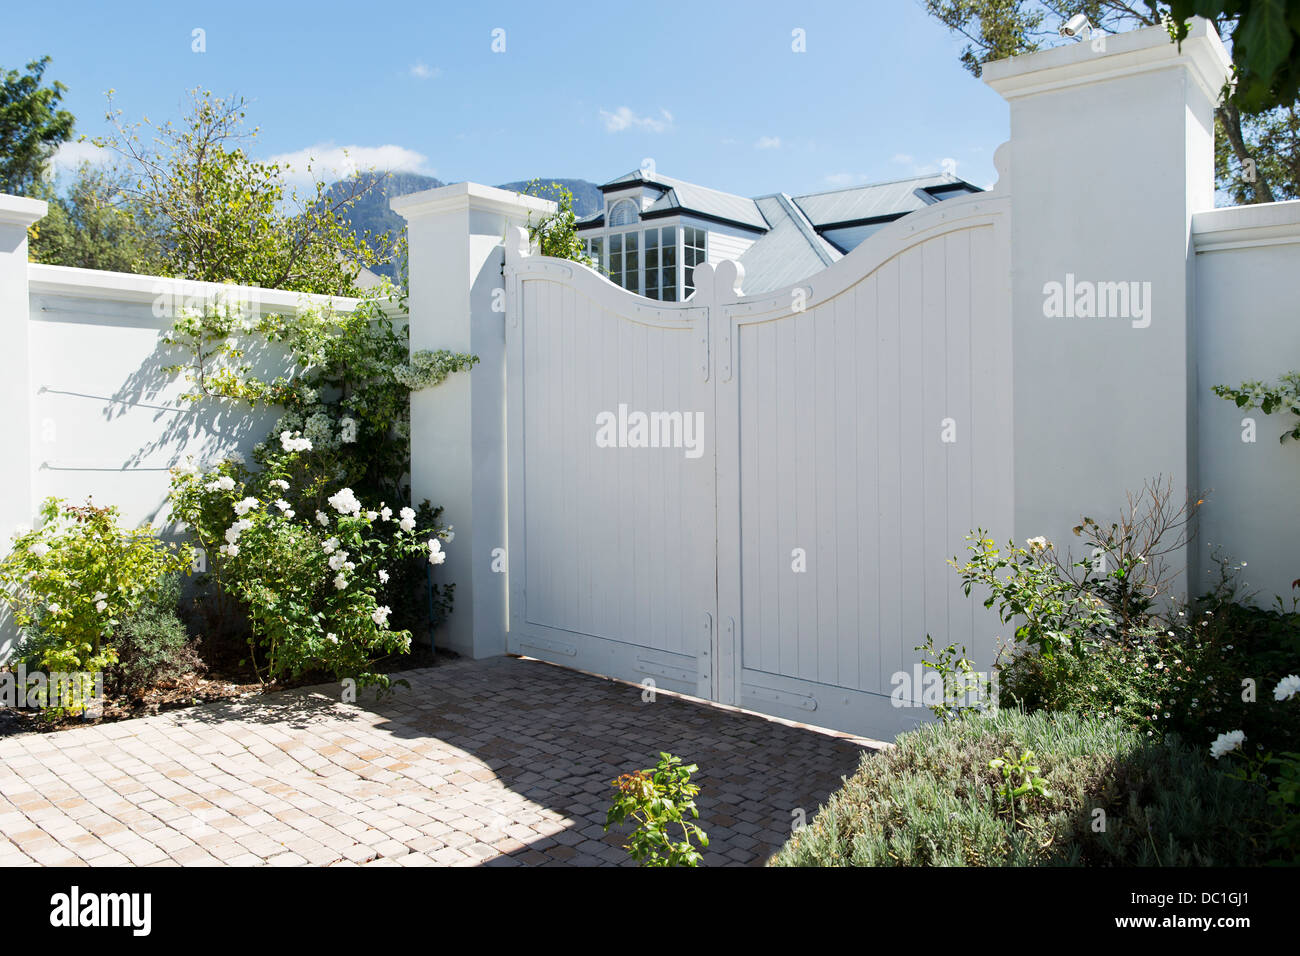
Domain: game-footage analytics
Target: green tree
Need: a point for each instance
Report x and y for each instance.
(94, 226)
(557, 234)
(1260, 33)
(31, 126)
(218, 215)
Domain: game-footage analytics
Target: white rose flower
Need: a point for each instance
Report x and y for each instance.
(245, 505)
(345, 502)
(436, 554)
(383, 577)
(1287, 687)
(338, 560)
(332, 637)
(54, 608)
(340, 581)
(323, 519)
(372, 515)
(380, 616)
(279, 483)
(386, 513)
(291, 443)
(1038, 544)
(40, 549)
(1227, 743)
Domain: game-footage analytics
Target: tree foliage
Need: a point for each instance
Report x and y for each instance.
(1256, 159)
(31, 126)
(93, 225)
(218, 215)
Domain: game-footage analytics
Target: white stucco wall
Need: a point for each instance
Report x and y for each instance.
(1247, 295)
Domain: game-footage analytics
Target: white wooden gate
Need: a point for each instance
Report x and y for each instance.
(855, 428)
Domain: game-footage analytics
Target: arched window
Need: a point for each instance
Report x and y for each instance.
(623, 213)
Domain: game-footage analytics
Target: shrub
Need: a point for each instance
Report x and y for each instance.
(152, 643)
(937, 799)
(1197, 674)
(71, 582)
(309, 564)
(1051, 611)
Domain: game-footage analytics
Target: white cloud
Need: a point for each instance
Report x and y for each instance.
(423, 71)
(329, 162)
(69, 156)
(623, 118)
(768, 142)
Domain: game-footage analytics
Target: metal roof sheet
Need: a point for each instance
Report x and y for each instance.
(874, 199)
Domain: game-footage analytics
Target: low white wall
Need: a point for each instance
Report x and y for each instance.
(99, 416)
(107, 420)
(1247, 309)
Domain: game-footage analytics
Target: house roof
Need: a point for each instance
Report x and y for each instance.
(677, 195)
(795, 236)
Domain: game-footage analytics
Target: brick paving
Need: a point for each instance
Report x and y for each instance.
(495, 762)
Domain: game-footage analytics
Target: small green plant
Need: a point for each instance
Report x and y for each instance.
(1019, 778)
(1282, 397)
(1026, 584)
(656, 801)
(152, 643)
(963, 688)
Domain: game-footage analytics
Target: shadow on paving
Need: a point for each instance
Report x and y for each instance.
(558, 737)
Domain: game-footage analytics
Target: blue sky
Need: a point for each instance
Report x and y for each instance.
(711, 91)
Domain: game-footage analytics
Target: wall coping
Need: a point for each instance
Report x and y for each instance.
(1147, 50)
(145, 289)
(1241, 227)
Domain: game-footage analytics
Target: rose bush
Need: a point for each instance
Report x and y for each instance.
(316, 570)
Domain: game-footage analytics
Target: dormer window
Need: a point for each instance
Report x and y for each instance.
(623, 213)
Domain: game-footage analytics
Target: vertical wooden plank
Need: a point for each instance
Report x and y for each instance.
(847, 414)
(768, 483)
(804, 460)
(961, 518)
(912, 435)
(867, 487)
(934, 399)
(786, 416)
(825, 466)
(890, 376)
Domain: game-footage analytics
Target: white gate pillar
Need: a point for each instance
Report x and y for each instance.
(16, 214)
(1111, 152)
(458, 429)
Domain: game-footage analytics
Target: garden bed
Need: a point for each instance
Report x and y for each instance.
(220, 680)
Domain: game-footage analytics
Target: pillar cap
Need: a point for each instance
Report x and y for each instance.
(1202, 54)
(468, 196)
(21, 211)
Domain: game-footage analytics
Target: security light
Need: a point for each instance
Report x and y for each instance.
(1077, 26)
